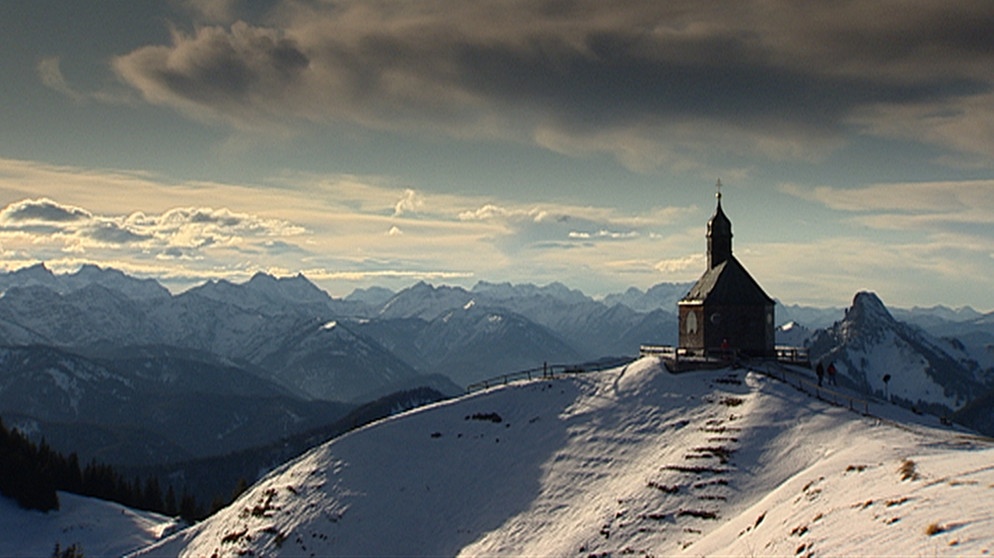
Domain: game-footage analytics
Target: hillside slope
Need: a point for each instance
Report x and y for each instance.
(96, 527)
(633, 460)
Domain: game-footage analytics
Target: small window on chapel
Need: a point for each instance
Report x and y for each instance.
(691, 322)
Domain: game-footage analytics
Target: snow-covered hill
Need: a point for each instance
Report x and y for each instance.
(96, 527)
(633, 460)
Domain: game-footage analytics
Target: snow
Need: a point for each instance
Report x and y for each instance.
(633, 460)
(98, 528)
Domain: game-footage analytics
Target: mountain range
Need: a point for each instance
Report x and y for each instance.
(149, 371)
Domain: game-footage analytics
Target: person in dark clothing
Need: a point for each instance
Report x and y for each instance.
(820, 371)
(831, 374)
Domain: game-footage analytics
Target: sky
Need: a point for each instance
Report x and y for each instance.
(381, 142)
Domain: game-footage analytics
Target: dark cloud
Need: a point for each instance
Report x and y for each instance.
(221, 69)
(771, 72)
(110, 233)
(203, 216)
(44, 210)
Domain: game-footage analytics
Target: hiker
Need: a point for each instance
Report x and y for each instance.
(820, 371)
(831, 374)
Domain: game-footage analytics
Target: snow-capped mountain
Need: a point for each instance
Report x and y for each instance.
(329, 360)
(259, 325)
(811, 318)
(591, 329)
(87, 316)
(373, 297)
(504, 292)
(793, 334)
(425, 301)
(39, 275)
(633, 460)
(265, 293)
(473, 343)
(662, 296)
(879, 355)
(935, 316)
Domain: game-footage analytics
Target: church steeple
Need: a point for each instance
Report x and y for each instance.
(719, 234)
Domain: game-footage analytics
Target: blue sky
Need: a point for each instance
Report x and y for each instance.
(384, 143)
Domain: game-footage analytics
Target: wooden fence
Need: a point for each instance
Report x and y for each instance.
(548, 371)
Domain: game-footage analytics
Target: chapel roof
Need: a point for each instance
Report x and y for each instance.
(727, 283)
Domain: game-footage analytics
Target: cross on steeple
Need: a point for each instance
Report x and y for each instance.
(719, 234)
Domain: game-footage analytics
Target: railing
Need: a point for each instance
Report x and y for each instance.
(793, 355)
(786, 354)
(548, 371)
(812, 387)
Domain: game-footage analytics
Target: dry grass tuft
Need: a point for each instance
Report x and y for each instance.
(908, 470)
(934, 529)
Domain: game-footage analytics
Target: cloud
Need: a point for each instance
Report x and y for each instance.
(42, 210)
(412, 202)
(175, 233)
(651, 83)
(230, 74)
(694, 262)
(379, 274)
(964, 124)
(185, 232)
(50, 72)
(212, 10)
(950, 201)
(603, 234)
(829, 270)
(111, 233)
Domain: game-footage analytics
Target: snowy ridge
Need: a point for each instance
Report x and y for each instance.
(40, 276)
(632, 460)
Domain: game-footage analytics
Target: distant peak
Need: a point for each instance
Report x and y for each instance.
(261, 276)
(868, 305)
(36, 269)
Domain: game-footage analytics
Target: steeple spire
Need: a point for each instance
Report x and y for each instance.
(719, 234)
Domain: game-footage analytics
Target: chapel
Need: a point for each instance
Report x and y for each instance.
(726, 310)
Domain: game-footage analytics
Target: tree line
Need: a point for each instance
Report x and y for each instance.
(31, 474)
